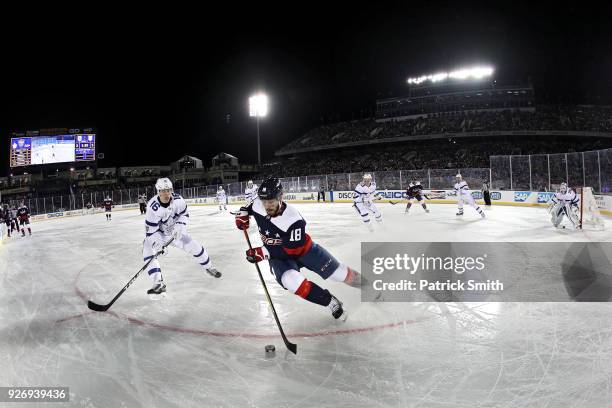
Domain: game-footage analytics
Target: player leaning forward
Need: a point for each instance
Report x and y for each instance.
(166, 217)
(288, 248)
(462, 190)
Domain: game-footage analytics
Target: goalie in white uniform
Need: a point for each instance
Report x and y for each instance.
(462, 191)
(167, 217)
(564, 204)
(250, 193)
(363, 200)
(222, 198)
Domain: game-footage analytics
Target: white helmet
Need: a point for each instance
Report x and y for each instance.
(220, 188)
(563, 187)
(250, 183)
(367, 176)
(458, 176)
(163, 183)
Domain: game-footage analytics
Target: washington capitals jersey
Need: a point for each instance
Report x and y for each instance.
(250, 194)
(364, 193)
(162, 217)
(108, 204)
(284, 236)
(414, 190)
(23, 213)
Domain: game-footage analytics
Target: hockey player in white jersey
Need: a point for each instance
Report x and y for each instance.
(363, 200)
(564, 204)
(222, 198)
(166, 217)
(462, 190)
(250, 193)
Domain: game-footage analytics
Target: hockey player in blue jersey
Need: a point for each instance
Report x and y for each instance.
(167, 217)
(288, 248)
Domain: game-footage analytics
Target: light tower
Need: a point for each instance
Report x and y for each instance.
(258, 108)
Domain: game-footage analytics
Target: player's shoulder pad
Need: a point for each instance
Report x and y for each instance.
(257, 206)
(288, 218)
(153, 199)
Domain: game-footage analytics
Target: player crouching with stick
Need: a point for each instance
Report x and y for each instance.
(288, 248)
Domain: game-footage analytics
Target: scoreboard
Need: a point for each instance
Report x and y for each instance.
(21, 152)
(85, 147)
(56, 146)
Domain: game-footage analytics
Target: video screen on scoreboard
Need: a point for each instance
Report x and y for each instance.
(28, 151)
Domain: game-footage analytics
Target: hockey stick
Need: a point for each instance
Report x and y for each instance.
(292, 347)
(103, 308)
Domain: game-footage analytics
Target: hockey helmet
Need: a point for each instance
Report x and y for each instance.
(270, 189)
(163, 183)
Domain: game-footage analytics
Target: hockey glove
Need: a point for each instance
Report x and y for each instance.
(179, 230)
(257, 254)
(242, 219)
(157, 242)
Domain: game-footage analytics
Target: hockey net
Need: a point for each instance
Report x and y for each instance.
(590, 216)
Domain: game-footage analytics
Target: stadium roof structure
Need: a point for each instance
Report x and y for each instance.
(224, 155)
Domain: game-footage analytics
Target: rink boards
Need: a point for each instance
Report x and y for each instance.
(509, 198)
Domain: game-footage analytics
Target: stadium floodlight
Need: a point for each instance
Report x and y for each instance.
(258, 108)
(258, 105)
(477, 72)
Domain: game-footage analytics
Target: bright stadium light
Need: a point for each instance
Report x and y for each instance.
(258, 105)
(477, 72)
(258, 108)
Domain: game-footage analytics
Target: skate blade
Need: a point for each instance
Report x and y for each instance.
(155, 296)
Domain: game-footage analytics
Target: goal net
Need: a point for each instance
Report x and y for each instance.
(590, 217)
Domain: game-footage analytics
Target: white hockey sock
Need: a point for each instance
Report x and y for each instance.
(157, 277)
(339, 274)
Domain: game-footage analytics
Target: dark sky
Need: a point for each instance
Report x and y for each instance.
(160, 84)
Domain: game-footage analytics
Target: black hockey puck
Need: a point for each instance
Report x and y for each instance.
(270, 348)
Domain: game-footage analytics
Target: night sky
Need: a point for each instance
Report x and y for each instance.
(160, 84)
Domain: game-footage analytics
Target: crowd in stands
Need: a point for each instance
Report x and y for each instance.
(445, 153)
(560, 118)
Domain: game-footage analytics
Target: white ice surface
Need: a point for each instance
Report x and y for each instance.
(203, 346)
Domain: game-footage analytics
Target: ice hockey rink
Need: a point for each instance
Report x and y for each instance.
(203, 345)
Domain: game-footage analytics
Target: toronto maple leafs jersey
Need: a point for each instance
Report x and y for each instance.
(462, 188)
(250, 194)
(569, 197)
(162, 217)
(221, 197)
(364, 194)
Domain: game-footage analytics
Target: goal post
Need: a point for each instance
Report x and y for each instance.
(590, 216)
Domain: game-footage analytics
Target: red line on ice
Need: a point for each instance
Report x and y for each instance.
(143, 323)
